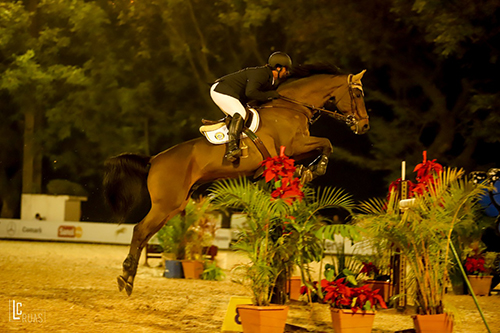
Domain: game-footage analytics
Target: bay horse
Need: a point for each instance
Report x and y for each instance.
(171, 174)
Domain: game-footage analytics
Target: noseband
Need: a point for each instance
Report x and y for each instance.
(349, 119)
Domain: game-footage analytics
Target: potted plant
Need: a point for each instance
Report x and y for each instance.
(212, 272)
(315, 293)
(171, 239)
(376, 278)
(352, 308)
(199, 235)
(442, 200)
(281, 231)
(478, 266)
(184, 237)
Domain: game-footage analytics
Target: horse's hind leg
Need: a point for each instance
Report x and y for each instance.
(150, 225)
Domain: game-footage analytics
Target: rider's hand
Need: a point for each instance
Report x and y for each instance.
(274, 95)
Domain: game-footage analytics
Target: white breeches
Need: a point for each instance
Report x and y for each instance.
(228, 104)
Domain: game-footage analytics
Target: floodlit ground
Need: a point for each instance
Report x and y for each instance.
(72, 288)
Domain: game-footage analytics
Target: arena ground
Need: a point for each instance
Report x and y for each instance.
(72, 288)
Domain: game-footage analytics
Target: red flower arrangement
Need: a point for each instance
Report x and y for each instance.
(475, 265)
(426, 173)
(341, 296)
(281, 169)
(369, 268)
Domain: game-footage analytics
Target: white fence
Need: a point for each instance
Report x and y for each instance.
(90, 232)
(66, 231)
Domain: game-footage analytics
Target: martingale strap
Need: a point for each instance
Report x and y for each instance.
(258, 143)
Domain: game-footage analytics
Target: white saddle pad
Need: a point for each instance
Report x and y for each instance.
(217, 133)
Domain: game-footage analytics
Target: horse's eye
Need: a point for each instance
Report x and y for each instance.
(358, 93)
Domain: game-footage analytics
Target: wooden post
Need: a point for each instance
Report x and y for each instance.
(399, 261)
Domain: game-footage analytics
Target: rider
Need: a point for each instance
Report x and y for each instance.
(233, 91)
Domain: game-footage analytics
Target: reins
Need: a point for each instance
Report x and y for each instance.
(350, 119)
(333, 114)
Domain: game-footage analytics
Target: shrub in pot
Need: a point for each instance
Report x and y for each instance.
(282, 226)
(352, 308)
(442, 200)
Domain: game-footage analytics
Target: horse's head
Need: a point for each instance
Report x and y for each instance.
(348, 99)
(320, 85)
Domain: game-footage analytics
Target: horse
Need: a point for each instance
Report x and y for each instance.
(171, 174)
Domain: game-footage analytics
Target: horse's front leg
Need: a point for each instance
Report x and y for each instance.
(306, 147)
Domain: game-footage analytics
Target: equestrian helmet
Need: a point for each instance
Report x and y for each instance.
(280, 59)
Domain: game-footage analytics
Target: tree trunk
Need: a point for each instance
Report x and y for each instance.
(32, 157)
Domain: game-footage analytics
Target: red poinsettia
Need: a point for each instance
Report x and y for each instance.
(340, 295)
(289, 190)
(475, 265)
(278, 167)
(426, 173)
(369, 268)
(366, 298)
(281, 169)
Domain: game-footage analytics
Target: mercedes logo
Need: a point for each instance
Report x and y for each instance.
(11, 229)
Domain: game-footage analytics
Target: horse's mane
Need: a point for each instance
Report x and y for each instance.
(306, 70)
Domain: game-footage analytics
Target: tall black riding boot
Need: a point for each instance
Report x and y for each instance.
(233, 151)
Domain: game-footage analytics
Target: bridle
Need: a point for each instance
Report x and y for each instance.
(349, 119)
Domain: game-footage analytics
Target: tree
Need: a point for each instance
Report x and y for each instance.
(430, 86)
(106, 77)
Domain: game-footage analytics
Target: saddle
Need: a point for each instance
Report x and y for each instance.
(216, 131)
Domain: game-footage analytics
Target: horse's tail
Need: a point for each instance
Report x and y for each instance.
(124, 182)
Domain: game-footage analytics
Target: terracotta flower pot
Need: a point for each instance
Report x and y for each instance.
(295, 283)
(346, 321)
(263, 319)
(480, 284)
(385, 288)
(439, 323)
(192, 268)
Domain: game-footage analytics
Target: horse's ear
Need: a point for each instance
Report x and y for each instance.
(357, 77)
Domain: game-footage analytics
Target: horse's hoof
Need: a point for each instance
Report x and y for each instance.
(320, 170)
(307, 176)
(299, 170)
(319, 166)
(128, 288)
(121, 282)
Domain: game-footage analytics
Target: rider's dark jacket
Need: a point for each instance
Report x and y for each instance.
(253, 83)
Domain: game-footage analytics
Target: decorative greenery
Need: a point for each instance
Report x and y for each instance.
(187, 233)
(213, 272)
(423, 232)
(284, 227)
(478, 262)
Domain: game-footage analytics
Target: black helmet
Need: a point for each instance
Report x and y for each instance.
(280, 59)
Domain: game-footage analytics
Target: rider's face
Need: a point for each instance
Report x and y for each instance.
(283, 73)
